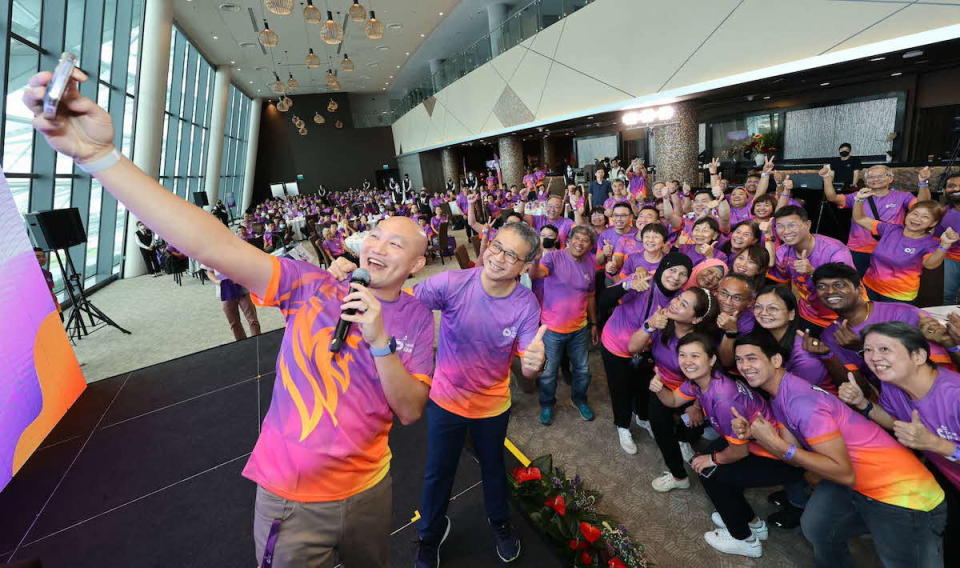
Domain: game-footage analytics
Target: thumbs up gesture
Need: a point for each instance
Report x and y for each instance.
(802, 265)
(851, 393)
(914, 434)
(535, 355)
(656, 385)
(826, 171)
(949, 237)
(740, 425)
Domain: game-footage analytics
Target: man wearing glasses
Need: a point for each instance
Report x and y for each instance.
(486, 318)
(800, 253)
(554, 216)
(885, 205)
(951, 219)
(622, 226)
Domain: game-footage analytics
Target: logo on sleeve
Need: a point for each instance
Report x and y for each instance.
(909, 250)
(509, 332)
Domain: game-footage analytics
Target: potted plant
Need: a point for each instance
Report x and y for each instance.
(761, 145)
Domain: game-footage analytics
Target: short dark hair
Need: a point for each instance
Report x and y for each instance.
(657, 228)
(908, 336)
(844, 145)
(622, 204)
(709, 345)
(38, 249)
(840, 270)
(766, 197)
(766, 343)
(655, 210)
(598, 209)
(789, 210)
(745, 279)
(709, 221)
(552, 228)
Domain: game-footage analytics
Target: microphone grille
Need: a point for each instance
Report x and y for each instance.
(361, 276)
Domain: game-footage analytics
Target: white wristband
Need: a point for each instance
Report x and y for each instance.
(102, 163)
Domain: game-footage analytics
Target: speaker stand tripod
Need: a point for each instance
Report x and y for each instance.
(77, 328)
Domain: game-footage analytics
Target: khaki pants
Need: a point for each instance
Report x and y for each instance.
(231, 310)
(354, 531)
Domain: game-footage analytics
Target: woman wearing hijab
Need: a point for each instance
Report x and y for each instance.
(633, 302)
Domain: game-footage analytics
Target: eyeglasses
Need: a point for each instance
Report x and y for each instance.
(788, 226)
(620, 215)
(772, 310)
(728, 296)
(875, 176)
(496, 248)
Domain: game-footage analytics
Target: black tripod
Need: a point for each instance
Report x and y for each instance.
(76, 327)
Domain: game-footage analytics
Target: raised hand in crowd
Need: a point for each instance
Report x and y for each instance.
(535, 355)
(813, 345)
(341, 268)
(845, 337)
(851, 393)
(802, 264)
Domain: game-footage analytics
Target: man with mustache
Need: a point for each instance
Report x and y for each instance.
(951, 219)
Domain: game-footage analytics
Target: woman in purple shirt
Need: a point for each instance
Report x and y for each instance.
(703, 241)
(744, 234)
(633, 302)
(919, 404)
(775, 310)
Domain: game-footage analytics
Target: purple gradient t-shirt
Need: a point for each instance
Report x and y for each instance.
(950, 219)
(892, 208)
(563, 225)
(722, 394)
(479, 335)
(807, 366)
(638, 260)
(664, 354)
(825, 249)
(634, 309)
(324, 437)
(567, 289)
(897, 262)
(939, 411)
(612, 237)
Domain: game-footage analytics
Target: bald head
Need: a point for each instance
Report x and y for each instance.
(408, 229)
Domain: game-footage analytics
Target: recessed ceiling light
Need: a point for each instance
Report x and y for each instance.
(398, 66)
(441, 13)
(383, 88)
(374, 64)
(589, 117)
(824, 84)
(897, 74)
(233, 63)
(407, 53)
(383, 48)
(390, 77)
(230, 7)
(215, 37)
(395, 26)
(247, 44)
(421, 35)
(913, 53)
(766, 98)
(251, 81)
(877, 58)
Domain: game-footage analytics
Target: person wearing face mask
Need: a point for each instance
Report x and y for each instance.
(903, 251)
(950, 220)
(633, 302)
(554, 216)
(569, 311)
(847, 167)
(882, 204)
(918, 404)
(798, 256)
(693, 310)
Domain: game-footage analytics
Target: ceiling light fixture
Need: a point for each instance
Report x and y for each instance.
(877, 58)
(422, 35)
(373, 27)
(897, 74)
(825, 84)
(279, 7)
(357, 13)
(312, 14)
(441, 13)
(331, 78)
(312, 60)
(268, 38)
(292, 83)
(331, 33)
(913, 53)
(278, 86)
(347, 63)
(648, 115)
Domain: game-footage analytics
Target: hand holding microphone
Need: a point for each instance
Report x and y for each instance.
(359, 306)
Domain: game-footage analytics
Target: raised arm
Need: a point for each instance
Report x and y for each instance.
(923, 184)
(765, 176)
(84, 131)
(859, 217)
(830, 194)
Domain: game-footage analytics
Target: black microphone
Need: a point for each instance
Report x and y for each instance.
(360, 276)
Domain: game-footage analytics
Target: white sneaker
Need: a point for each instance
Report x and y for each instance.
(644, 424)
(721, 540)
(626, 441)
(686, 450)
(760, 531)
(667, 482)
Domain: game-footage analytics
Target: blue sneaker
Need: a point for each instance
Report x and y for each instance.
(428, 553)
(585, 411)
(508, 544)
(546, 415)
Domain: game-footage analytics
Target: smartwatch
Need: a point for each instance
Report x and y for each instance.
(383, 352)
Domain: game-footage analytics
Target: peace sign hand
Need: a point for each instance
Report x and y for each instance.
(714, 166)
(768, 165)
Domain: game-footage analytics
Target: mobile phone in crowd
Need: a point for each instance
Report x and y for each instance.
(58, 84)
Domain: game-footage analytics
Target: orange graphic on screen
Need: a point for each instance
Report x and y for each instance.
(312, 357)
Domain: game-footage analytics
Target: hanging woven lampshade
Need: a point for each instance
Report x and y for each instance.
(336, 86)
(339, 124)
(268, 37)
(287, 101)
(292, 83)
(303, 131)
(330, 78)
(318, 118)
(312, 60)
(347, 63)
(279, 7)
(331, 32)
(282, 105)
(357, 13)
(373, 27)
(311, 13)
(278, 86)
(332, 106)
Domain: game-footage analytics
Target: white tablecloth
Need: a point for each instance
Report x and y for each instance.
(298, 224)
(354, 241)
(455, 209)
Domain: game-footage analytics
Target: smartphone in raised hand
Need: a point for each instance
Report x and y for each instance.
(58, 84)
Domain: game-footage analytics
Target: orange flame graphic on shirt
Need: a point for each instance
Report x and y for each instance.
(311, 357)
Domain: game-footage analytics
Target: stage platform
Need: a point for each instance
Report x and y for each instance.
(144, 471)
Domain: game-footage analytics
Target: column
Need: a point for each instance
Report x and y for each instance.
(253, 138)
(677, 145)
(218, 125)
(549, 157)
(450, 160)
(496, 14)
(511, 159)
(436, 67)
(151, 99)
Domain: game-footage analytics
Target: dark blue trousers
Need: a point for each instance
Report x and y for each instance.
(446, 432)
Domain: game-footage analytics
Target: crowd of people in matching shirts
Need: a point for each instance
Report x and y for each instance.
(784, 356)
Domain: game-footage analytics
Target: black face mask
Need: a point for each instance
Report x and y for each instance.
(549, 243)
(844, 153)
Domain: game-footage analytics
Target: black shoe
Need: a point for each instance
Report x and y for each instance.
(508, 543)
(778, 498)
(428, 553)
(786, 518)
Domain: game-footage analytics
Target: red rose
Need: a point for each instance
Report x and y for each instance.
(558, 504)
(616, 563)
(522, 474)
(589, 532)
(578, 544)
(586, 558)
